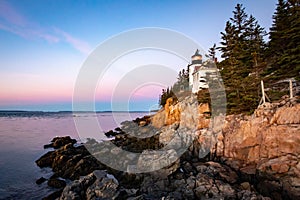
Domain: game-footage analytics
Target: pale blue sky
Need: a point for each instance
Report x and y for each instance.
(44, 43)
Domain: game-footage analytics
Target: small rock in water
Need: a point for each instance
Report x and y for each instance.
(62, 141)
(58, 142)
(110, 133)
(46, 146)
(40, 180)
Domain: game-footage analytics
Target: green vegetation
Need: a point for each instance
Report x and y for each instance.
(284, 46)
(248, 59)
(242, 48)
(165, 95)
(178, 89)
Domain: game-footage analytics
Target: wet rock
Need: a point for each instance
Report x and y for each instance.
(46, 160)
(56, 183)
(118, 129)
(85, 166)
(40, 180)
(110, 133)
(53, 195)
(62, 141)
(58, 142)
(140, 197)
(46, 146)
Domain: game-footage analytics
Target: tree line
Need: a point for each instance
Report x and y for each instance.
(247, 58)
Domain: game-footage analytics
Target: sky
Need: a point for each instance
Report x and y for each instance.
(44, 44)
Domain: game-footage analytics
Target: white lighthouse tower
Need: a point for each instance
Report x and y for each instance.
(198, 71)
(195, 65)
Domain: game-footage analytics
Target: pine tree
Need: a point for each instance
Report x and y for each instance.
(280, 24)
(228, 43)
(212, 52)
(242, 42)
(255, 45)
(284, 44)
(291, 58)
(242, 47)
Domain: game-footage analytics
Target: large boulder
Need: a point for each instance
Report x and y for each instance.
(59, 142)
(97, 185)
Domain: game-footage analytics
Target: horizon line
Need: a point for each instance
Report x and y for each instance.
(69, 111)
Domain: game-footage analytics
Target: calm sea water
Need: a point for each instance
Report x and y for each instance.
(22, 136)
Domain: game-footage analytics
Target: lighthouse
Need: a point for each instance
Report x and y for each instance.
(199, 72)
(196, 64)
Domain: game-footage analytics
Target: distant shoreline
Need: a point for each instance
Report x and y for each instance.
(28, 111)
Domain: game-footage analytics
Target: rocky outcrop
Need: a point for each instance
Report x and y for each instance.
(69, 162)
(58, 142)
(97, 185)
(246, 157)
(188, 112)
(267, 145)
(186, 178)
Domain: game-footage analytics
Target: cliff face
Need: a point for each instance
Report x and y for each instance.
(191, 113)
(265, 145)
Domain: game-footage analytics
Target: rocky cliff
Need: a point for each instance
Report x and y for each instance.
(265, 145)
(232, 157)
(196, 114)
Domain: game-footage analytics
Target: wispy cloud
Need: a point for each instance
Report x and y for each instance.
(11, 15)
(13, 21)
(78, 44)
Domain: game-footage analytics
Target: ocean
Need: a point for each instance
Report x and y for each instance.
(22, 137)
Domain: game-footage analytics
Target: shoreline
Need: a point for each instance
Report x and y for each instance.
(189, 177)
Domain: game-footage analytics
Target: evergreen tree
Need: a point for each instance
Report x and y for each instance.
(290, 59)
(280, 24)
(242, 47)
(181, 85)
(242, 42)
(255, 45)
(284, 44)
(228, 43)
(165, 95)
(212, 52)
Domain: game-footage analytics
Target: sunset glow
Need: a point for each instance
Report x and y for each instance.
(43, 45)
